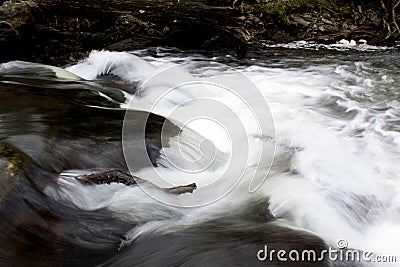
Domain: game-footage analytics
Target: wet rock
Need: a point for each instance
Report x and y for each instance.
(330, 28)
(281, 37)
(327, 21)
(18, 13)
(11, 171)
(352, 27)
(9, 41)
(16, 29)
(300, 21)
(127, 44)
(375, 18)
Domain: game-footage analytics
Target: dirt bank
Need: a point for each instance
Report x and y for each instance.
(62, 31)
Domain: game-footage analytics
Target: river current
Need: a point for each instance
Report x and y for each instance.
(292, 148)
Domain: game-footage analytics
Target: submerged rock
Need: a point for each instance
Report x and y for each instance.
(11, 171)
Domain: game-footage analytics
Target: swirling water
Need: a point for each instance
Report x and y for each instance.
(335, 172)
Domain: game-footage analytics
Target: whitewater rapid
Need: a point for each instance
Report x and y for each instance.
(335, 144)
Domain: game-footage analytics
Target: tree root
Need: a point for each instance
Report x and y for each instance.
(390, 18)
(394, 17)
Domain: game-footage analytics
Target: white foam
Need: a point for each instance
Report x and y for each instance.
(343, 179)
(124, 65)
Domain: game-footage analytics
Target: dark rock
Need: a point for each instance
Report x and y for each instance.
(300, 21)
(281, 37)
(18, 13)
(11, 171)
(375, 18)
(129, 44)
(330, 28)
(327, 21)
(16, 29)
(353, 27)
(10, 41)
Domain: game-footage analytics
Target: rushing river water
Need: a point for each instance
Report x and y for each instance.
(314, 134)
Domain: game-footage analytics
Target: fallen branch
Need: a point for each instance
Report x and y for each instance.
(390, 15)
(394, 16)
(117, 176)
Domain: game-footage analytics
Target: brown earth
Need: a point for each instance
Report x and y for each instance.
(59, 32)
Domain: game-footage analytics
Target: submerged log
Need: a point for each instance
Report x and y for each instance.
(107, 177)
(117, 176)
(183, 189)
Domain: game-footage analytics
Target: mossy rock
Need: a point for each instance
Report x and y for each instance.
(18, 13)
(11, 171)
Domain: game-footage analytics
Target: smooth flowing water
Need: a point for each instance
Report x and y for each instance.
(295, 149)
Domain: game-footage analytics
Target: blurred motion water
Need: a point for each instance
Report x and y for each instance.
(335, 174)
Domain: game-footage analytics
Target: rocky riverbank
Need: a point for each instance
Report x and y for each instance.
(63, 31)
